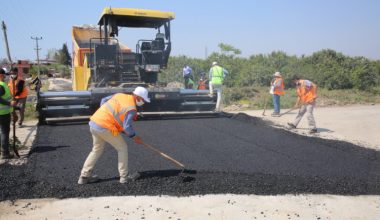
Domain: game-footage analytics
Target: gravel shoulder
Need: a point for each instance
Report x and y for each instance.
(356, 124)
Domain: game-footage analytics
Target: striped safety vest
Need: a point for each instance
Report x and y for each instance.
(201, 84)
(307, 91)
(217, 75)
(5, 109)
(24, 92)
(111, 114)
(278, 90)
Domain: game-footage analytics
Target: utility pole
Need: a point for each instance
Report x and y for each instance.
(38, 56)
(4, 27)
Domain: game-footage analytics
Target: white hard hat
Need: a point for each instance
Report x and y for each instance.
(3, 71)
(214, 63)
(142, 92)
(278, 74)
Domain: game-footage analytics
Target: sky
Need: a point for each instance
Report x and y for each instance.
(296, 27)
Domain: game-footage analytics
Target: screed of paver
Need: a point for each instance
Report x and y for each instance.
(239, 155)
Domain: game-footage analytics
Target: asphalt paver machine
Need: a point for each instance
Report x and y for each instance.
(104, 66)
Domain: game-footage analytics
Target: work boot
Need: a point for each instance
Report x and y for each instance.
(88, 179)
(313, 131)
(291, 126)
(7, 156)
(130, 177)
(124, 179)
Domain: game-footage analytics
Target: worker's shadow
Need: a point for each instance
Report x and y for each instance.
(155, 174)
(325, 130)
(163, 173)
(43, 149)
(320, 130)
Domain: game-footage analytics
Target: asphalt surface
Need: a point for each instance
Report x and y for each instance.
(238, 154)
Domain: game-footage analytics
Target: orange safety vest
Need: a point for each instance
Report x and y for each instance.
(111, 114)
(24, 92)
(202, 85)
(278, 90)
(307, 93)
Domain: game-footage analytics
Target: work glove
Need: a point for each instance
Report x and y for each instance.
(137, 140)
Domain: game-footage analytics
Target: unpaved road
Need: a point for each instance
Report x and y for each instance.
(228, 206)
(357, 124)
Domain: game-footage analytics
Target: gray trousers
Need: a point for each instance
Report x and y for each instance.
(20, 113)
(307, 108)
(99, 140)
(218, 89)
(5, 127)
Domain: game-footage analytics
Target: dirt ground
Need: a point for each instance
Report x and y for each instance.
(356, 124)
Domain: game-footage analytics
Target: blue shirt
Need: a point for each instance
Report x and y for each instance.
(127, 124)
(187, 71)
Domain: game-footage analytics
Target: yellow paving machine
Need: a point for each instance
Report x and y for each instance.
(104, 66)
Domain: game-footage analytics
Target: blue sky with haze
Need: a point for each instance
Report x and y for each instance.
(296, 27)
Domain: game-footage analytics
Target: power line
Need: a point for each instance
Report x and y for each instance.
(38, 56)
(4, 27)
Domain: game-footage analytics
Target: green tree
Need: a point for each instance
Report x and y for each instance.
(226, 49)
(327, 68)
(64, 57)
(365, 75)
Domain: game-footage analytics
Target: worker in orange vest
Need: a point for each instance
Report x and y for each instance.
(307, 95)
(20, 93)
(277, 90)
(107, 124)
(202, 82)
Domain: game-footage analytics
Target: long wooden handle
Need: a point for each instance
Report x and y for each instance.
(288, 111)
(265, 105)
(14, 120)
(164, 155)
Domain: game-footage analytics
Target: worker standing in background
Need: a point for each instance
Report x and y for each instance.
(6, 107)
(277, 90)
(19, 92)
(191, 84)
(187, 75)
(202, 82)
(107, 124)
(307, 95)
(216, 77)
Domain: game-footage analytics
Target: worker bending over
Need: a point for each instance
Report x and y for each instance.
(114, 117)
(307, 95)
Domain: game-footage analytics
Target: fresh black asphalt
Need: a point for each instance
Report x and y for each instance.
(237, 154)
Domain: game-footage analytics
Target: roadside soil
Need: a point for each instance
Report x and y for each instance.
(356, 124)
(59, 84)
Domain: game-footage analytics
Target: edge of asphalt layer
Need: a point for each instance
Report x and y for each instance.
(255, 158)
